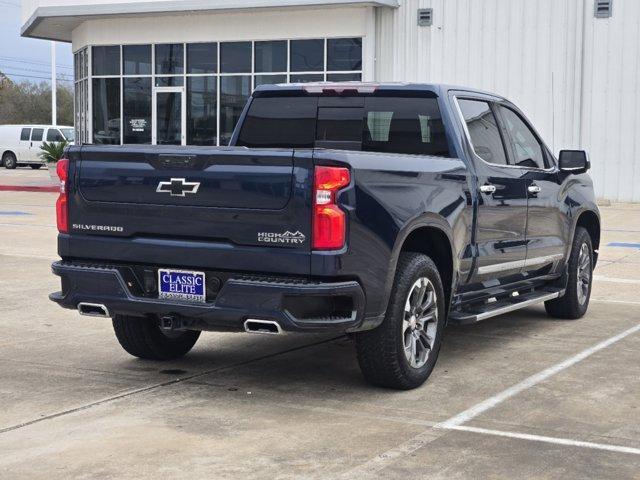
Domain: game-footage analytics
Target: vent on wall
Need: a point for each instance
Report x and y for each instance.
(425, 17)
(602, 8)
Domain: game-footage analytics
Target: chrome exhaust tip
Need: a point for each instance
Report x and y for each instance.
(268, 327)
(93, 310)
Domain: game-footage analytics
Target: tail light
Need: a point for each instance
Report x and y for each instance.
(62, 212)
(329, 220)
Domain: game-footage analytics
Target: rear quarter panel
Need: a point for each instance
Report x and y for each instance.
(390, 196)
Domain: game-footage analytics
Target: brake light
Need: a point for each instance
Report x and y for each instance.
(329, 220)
(62, 213)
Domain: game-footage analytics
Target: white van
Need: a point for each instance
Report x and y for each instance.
(20, 144)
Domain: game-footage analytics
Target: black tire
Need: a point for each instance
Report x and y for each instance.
(381, 351)
(573, 305)
(143, 338)
(9, 160)
(36, 167)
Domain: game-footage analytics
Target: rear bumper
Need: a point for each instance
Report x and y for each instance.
(283, 300)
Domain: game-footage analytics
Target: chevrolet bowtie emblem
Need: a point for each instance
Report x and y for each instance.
(178, 187)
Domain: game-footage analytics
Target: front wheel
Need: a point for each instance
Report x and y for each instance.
(143, 338)
(9, 160)
(575, 301)
(402, 352)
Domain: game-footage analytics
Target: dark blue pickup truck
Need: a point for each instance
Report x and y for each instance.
(379, 210)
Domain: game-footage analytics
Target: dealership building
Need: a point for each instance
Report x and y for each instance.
(180, 71)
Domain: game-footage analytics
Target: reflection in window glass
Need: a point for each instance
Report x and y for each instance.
(269, 79)
(344, 54)
(404, 125)
(137, 110)
(234, 92)
(169, 81)
(106, 111)
(136, 59)
(526, 147)
(304, 78)
(202, 58)
(307, 55)
(169, 59)
(271, 56)
(106, 60)
(201, 111)
(483, 130)
(344, 77)
(235, 57)
(168, 118)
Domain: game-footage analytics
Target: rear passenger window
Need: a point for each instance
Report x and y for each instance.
(483, 130)
(37, 134)
(54, 135)
(280, 122)
(526, 147)
(404, 125)
(25, 134)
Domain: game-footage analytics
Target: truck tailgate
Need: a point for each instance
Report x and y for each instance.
(229, 199)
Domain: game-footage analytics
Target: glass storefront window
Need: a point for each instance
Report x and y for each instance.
(169, 59)
(201, 110)
(304, 78)
(271, 56)
(136, 59)
(202, 58)
(344, 54)
(137, 110)
(106, 111)
(235, 57)
(106, 60)
(307, 55)
(169, 81)
(234, 92)
(267, 79)
(114, 88)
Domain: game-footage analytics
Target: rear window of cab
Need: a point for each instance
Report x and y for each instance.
(393, 124)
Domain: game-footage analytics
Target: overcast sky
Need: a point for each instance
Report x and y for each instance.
(27, 58)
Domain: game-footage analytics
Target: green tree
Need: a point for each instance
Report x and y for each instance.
(28, 102)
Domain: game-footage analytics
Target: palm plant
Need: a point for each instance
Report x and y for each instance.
(53, 151)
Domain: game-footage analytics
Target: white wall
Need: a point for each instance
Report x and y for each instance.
(575, 76)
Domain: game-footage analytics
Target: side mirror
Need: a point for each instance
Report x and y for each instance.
(573, 161)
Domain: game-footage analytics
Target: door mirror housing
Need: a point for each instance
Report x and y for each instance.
(573, 161)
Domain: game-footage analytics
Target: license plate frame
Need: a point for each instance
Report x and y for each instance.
(182, 285)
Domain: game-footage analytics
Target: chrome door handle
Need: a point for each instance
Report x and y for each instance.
(488, 188)
(534, 189)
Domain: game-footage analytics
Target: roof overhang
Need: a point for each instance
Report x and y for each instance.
(57, 22)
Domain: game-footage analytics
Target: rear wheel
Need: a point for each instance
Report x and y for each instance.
(36, 167)
(9, 160)
(575, 301)
(403, 350)
(143, 338)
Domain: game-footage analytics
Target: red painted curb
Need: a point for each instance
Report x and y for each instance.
(29, 188)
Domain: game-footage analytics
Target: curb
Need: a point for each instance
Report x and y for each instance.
(30, 188)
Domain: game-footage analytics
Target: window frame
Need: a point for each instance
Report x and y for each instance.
(493, 102)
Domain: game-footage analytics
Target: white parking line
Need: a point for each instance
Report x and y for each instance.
(533, 380)
(555, 440)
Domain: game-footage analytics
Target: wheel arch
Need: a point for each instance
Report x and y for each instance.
(590, 221)
(432, 236)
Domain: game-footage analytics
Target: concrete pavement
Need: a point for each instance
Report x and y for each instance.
(75, 405)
